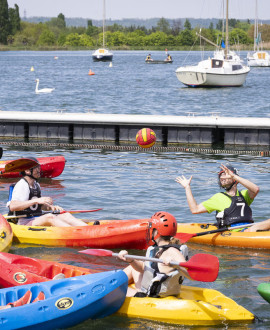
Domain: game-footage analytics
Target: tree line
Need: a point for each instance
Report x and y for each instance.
(54, 33)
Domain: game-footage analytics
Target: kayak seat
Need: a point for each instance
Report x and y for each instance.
(96, 223)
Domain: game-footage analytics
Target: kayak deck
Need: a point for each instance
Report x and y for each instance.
(264, 291)
(256, 240)
(194, 306)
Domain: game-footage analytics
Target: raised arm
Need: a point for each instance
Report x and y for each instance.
(193, 206)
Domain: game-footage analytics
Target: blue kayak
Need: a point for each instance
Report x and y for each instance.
(66, 303)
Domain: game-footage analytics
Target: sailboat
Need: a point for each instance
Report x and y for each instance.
(222, 70)
(259, 57)
(103, 54)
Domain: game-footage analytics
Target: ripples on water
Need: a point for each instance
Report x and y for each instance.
(137, 184)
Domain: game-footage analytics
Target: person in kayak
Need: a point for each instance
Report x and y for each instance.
(26, 200)
(233, 206)
(158, 279)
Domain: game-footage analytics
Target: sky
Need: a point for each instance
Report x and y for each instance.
(119, 9)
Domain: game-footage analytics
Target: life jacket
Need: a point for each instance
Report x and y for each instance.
(156, 284)
(34, 210)
(238, 212)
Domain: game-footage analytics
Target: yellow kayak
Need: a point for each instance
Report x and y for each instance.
(6, 235)
(256, 240)
(194, 306)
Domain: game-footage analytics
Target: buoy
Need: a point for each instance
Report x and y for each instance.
(110, 64)
(56, 57)
(32, 69)
(91, 73)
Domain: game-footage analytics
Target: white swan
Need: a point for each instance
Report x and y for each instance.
(43, 90)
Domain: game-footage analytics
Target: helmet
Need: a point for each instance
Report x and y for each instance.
(165, 223)
(31, 169)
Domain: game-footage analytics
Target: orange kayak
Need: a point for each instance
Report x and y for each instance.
(111, 234)
(6, 234)
(51, 167)
(257, 240)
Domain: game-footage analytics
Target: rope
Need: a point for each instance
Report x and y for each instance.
(139, 149)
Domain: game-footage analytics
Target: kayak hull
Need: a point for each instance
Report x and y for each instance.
(6, 235)
(264, 291)
(194, 306)
(67, 302)
(257, 240)
(51, 167)
(128, 234)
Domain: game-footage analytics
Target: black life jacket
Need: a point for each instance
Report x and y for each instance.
(238, 212)
(34, 210)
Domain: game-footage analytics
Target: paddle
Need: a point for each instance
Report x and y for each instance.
(1, 152)
(201, 267)
(19, 165)
(53, 212)
(184, 237)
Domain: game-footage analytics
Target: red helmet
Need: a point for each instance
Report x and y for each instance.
(165, 223)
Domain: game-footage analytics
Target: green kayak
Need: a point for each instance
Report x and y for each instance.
(264, 291)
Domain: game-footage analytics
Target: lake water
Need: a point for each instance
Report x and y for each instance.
(134, 184)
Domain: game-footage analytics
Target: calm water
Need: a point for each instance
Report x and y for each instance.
(130, 185)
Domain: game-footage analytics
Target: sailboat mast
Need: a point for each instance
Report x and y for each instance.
(256, 29)
(227, 29)
(103, 23)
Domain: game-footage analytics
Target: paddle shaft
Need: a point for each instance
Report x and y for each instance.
(53, 212)
(129, 256)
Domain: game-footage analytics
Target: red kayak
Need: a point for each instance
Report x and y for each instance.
(18, 270)
(51, 167)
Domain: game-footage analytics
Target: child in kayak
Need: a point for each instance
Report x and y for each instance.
(233, 206)
(26, 200)
(158, 279)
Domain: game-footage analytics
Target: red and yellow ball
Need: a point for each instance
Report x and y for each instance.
(146, 137)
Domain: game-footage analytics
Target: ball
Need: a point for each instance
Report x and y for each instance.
(146, 137)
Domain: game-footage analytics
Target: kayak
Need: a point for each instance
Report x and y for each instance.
(51, 167)
(6, 234)
(67, 302)
(158, 61)
(112, 234)
(19, 270)
(256, 240)
(194, 306)
(264, 291)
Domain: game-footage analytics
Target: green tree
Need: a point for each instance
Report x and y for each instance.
(186, 38)
(14, 19)
(187, 25)
(5, 29)
(47, 38)
(238, 35)
(164, 26)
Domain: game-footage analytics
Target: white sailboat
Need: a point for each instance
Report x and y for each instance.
(222, 70)
(103, 54)
(259, 57)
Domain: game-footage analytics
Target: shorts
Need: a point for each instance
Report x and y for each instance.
(26, 221)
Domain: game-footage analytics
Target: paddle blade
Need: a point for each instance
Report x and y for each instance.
(20, 165)
(184, 237)
(202, 267)
(98, 252)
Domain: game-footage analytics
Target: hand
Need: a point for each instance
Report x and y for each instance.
(44, 201)
(121, 255)
(57, 208)
(183, 181)
(228, 172)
